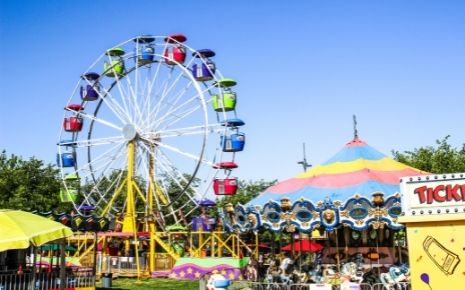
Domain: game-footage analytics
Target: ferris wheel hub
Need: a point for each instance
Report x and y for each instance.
(129, 132)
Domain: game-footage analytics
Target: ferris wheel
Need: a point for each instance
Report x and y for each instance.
(150, 129)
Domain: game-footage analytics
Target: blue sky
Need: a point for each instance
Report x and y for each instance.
(303, 69)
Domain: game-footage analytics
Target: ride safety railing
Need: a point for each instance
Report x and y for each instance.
(217, 244)
(242, 285)
(45, 280)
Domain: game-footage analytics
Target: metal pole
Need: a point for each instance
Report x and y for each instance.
(337, 253)
(129, 217)
(300, 254)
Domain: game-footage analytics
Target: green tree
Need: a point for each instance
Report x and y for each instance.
(440, 159)
(28, 184)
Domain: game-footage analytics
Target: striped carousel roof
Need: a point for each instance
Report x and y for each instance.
(357, 168)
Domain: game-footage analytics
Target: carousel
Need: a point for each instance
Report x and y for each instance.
(349, 204)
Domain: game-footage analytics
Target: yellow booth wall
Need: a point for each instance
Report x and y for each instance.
(436, 252)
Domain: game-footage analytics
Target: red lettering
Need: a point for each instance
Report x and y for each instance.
(440, 193)
(452, 192)
(421, 193)
(429, 199)
(436, 192)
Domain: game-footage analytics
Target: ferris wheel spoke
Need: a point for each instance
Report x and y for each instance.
(152, 93)
(110, 154)
(156, 121)
(169, 168)
(110, 101)
(179, 116)
(133, 94)
(175, 107)
(146, 102)
(175, 118)
(194, 130)
(103, 162)
(161, 94)
(122, 113)
(167, 90)
(171, 108)
(94, 142)
(128, 96)
(103, 198)
(176, 150)
(101, 121)
(126, 99)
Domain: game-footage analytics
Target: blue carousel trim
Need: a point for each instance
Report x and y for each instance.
(358, 212)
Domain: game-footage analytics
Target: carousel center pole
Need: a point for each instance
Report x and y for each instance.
(338, 262)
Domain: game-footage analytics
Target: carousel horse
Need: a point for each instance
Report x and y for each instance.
(330, 275)
(395, 275)
(371, 277)
(315, 274)
(350, 269)
(299, 277)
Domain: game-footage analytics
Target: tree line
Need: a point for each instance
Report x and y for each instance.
(30, 184)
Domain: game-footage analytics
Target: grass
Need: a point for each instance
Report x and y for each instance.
(150, 283)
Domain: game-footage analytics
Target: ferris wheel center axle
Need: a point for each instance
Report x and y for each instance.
(129, 132)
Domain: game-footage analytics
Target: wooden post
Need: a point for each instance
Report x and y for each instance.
(257, 248)
(62, 264)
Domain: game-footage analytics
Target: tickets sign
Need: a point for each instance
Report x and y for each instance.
(433, 194)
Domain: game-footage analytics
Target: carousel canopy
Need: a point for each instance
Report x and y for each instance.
(357, 169)
(358, 187)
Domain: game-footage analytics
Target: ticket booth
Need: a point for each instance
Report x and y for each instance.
(434, 214)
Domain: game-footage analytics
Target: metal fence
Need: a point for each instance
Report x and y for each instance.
(243, 285)
(45, 280)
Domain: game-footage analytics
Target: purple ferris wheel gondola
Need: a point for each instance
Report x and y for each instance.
(206, 69)
(90, 91)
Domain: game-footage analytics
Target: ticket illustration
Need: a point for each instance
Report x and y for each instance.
(443, 258)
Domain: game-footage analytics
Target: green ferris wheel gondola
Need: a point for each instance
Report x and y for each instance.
(114, 67)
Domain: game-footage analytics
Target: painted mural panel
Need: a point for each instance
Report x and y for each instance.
(437, 254)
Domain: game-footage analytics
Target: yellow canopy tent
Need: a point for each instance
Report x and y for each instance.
(20, 229)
